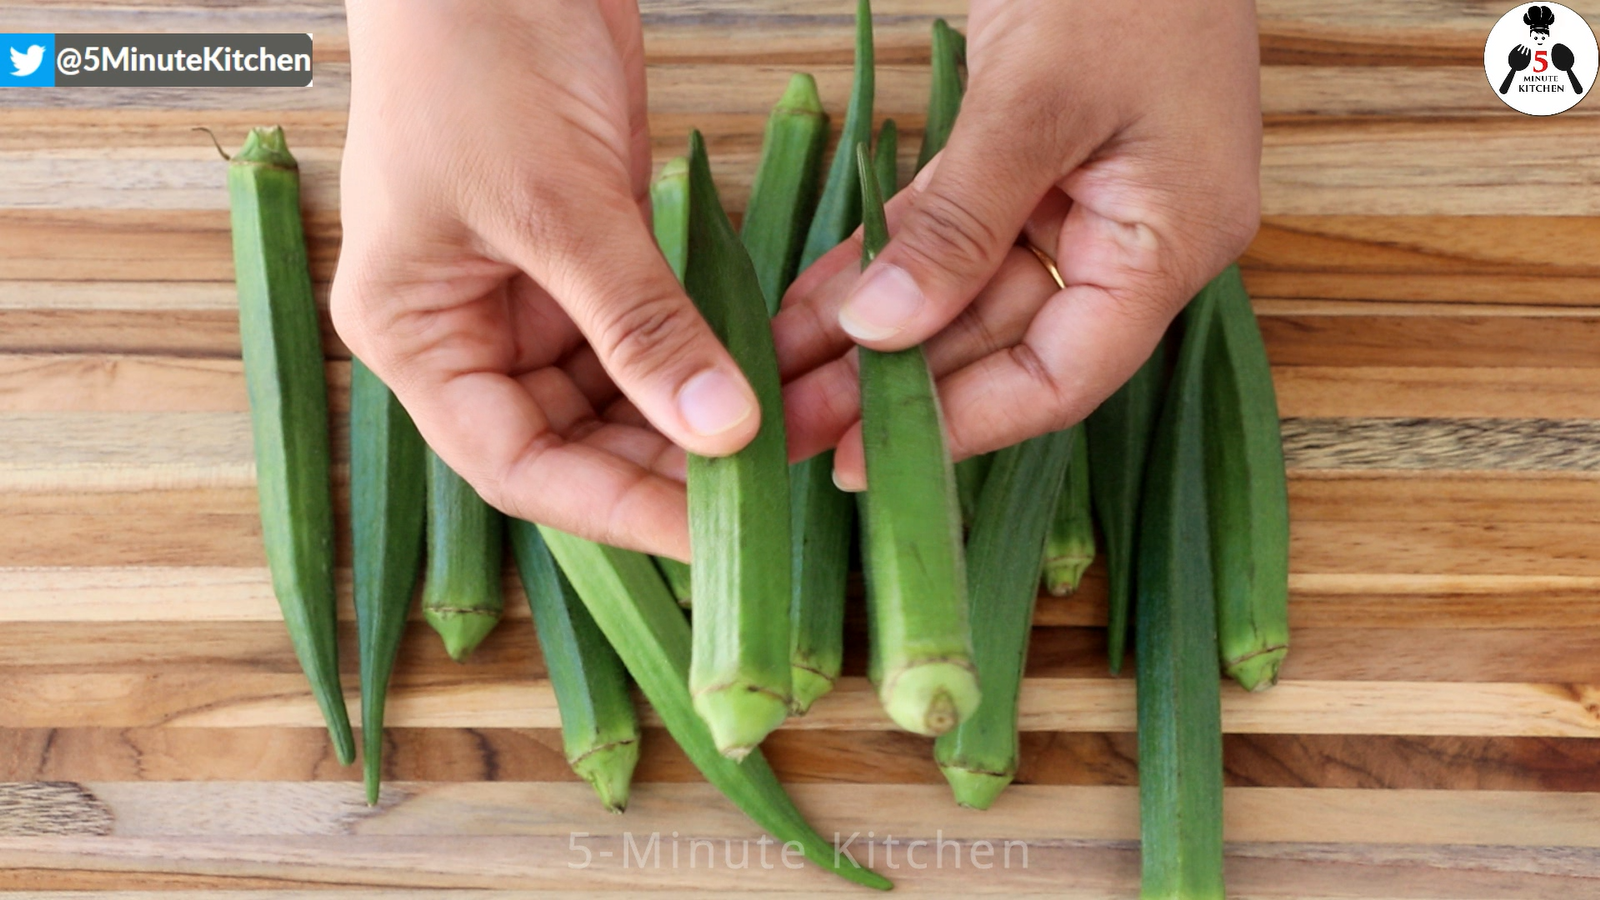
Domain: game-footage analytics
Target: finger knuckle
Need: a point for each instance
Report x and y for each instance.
(946, 233)
(648, 336)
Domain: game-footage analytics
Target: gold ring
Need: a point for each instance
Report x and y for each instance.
(1048, 263)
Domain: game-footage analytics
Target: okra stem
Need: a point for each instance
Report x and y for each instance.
(283, 369)
(387, 497)
(921, 654)
(1070, 547)
(599, 727)
(462, 595)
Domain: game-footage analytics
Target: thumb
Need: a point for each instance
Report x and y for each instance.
(603, 268)
(966, 211)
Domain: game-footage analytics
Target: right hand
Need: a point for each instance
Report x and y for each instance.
(498, 270)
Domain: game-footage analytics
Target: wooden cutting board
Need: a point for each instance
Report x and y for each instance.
(1427, 276)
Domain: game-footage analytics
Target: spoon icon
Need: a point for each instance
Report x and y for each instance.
(1561, 58)
(1518, 60)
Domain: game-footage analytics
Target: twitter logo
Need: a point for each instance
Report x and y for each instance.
(32, 60)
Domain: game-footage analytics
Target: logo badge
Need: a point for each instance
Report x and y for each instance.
(31, 62)
(1541, 59)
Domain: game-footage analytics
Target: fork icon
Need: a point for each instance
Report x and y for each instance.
(1518, 60)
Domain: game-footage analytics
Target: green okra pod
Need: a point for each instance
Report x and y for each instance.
(921, 653)
(784, 192)
(739, 516)
(599, 727)
(944, 96)
(1070, 548)
(388, 495)
(462, 592)
(839, 210)
(283, 369)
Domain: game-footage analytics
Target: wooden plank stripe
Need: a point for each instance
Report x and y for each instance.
(1458, 763)
(1439, 444)
(196, 700)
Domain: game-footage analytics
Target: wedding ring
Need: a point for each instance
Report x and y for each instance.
(1046, 261)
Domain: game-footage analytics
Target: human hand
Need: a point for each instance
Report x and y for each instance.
(498, 270)
(1123, 140)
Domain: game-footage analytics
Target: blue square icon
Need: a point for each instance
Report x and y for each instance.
(31, 61)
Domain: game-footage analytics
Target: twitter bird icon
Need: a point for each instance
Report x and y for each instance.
(32, 60)
(24, 63)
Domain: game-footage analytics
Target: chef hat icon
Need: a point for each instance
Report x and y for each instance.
(1538, 19)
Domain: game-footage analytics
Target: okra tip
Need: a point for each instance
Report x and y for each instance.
(609, 770)
(1258, 671)
(740, 716)
(931, 698)
(809, 684)
(266, 147)
(462, 631)
(973, 789)
(801, 95)
(1062, 576)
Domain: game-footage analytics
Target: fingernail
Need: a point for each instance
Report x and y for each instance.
(713, 402)
(882, 305)
(841, 485)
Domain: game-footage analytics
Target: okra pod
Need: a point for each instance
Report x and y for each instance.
(1247, 493)
(884, 162)
(387, 498)
(738, 504)
(821, 515)
(599, 727)
(669, 207)
(839, 210)
(625, 595)
(979, 757)
(678, 579)
(921, 653)
(784, 192)
(944, 97)
(1175, 657)
(1118, 434)
(283, 369)
(1070, 547)
(462, 595)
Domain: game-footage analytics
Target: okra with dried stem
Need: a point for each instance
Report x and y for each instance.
(784, 192)
(1175, 657)
(1070, 548)
(388, 495)
(739, 528)
(921, 652)
(462, 592)
(625, 595)
(979, 757)
(1247, 492)
(283, 370)
(1118, 434)
(599, 727)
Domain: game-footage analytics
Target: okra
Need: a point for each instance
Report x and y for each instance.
(387, 498)
(599, 727)
(669, 206)
(1118, 434)
(283, 369)
(678, 578)
(944, 102)
(784, 192)
(839, 210)
(921, 653)
(625, 595)
(884, 163)
(738, 504)
(1175, 656)
(1247, 492)
(944, 97)
(462, 595)
(1070, 548)
(979, 757)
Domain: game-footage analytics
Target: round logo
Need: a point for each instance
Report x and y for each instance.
(1541, 59)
